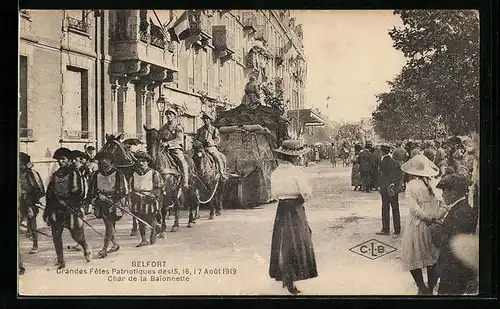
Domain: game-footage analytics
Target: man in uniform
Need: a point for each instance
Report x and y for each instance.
(108, 190)
(172, 135)
(65, 194)
(209, 137)
(146, 187)
(390, 183)
(32, 190)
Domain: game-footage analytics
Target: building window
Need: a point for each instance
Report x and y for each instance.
(204, 70)
(76, 104)
(23, 97)
(190, 69)
(77, 20)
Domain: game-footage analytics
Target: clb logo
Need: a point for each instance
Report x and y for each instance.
(372, 249)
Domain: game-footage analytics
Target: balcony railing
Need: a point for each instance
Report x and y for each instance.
(26, 133)
(71, 135)
(157, 41)
(199, 24)
(127, 135)
(78, 24)
(144, 36)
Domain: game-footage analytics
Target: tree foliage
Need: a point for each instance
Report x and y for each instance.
(349, 133)
(273, 94)
(437, 90)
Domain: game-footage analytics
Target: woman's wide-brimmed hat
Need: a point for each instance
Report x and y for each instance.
(62, 152)
(143, 155)
(420, 165)
(104, 155)
(292, 147)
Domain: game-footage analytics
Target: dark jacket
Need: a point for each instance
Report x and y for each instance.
(390, 174)
(461, 219)
(366, 161)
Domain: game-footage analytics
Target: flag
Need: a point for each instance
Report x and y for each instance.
(180, 26)
(328, 98)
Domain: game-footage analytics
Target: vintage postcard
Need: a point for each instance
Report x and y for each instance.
(248, 152)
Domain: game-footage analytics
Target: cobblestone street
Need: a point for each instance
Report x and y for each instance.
(239, 241)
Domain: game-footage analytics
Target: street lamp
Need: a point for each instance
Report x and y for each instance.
(161, 104)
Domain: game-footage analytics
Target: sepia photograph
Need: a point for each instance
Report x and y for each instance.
(248, 152)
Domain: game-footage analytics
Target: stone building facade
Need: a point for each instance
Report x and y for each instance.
(87, 73)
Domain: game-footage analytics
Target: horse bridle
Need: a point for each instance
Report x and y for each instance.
(133, 158)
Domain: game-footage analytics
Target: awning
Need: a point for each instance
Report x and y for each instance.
(308, 116)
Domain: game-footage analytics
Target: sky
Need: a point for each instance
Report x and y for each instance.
(350, 58)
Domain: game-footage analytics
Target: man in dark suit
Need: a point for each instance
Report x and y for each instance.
(390, 186)
(366, 163)
(460, 219)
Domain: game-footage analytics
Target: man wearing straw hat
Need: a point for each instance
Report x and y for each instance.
(292, 253)
(172, 135)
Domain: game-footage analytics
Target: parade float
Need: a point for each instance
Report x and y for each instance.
(249, 133)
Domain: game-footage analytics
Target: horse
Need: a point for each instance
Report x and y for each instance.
(209, 180)
(174, 194)
(123, 161)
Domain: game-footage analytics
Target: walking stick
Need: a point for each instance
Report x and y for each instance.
(84, 221)
(134, 216)
(39, 232)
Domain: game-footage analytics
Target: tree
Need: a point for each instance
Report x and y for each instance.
(273, 94)
(349, 133)
(439, 85)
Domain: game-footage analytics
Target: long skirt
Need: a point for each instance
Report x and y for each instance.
(417, 248)
(292, 253)
(355, 176)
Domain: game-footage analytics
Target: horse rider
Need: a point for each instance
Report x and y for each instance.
(64, 197)
(209, 137)
(32, 190)
(108, 190)
(172, 136)
(146, 187)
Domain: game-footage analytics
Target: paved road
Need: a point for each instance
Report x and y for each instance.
(230, 255)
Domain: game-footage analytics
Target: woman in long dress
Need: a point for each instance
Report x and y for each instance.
(292, 254)
(418, 249)
(355, 174)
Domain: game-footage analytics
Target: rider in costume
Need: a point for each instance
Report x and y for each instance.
(172, 136)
